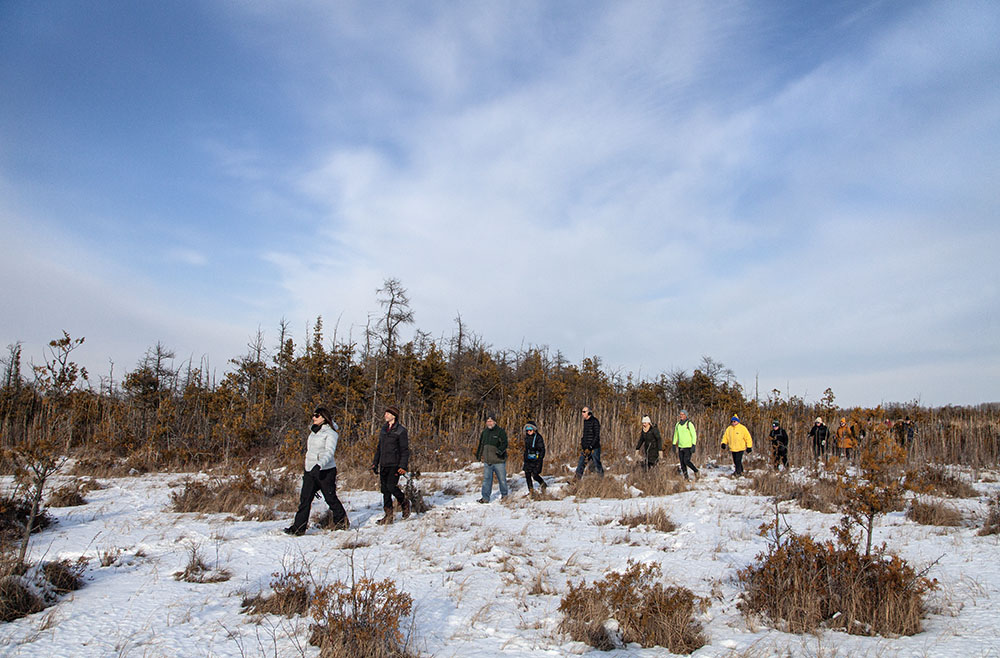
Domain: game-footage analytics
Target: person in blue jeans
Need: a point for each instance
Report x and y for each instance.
(492, 451)
(590, 444)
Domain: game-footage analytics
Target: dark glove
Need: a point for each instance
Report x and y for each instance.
(375, 469)
(749, 449)
(502, 454)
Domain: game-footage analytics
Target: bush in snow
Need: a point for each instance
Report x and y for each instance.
(632, 606)
(360, 619)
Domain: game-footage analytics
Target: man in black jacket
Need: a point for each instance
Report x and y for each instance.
(590, 444)
(779, 444)
(392, 458)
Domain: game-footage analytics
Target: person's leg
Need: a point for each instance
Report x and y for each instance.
(581, 465)
(501, 471)
(383, 480)
(487, 490)
(527, 478)
(596, 457)
(328, 485)
(685, 457)
(309, 486)
(394, 487)
(738, 460)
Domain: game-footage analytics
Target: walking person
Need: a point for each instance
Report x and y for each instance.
(685, 438)
(534, 454)
(492, 451)
(820, 435)
(590, 444)
(392, 458)
(320, 474)
(845, 439)
(650, 446)
(737, 439)
(779, 445)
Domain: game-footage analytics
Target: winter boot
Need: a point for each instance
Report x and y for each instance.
(387, 519)
(406, 508)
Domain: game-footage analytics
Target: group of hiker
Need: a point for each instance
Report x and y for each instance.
(392, 453)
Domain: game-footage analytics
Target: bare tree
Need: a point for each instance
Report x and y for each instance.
(396, 303)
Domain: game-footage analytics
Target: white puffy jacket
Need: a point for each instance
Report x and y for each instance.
(321, 448)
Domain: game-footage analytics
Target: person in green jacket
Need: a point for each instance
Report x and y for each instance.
(685, 438)
(492, 451)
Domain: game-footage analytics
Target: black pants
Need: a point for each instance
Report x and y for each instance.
(388, 479)
(685, 457)
(847, 453)
(780, 456)
(533, 471)
(313, 481)
(738, 462)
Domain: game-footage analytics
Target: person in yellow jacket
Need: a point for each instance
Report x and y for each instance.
(738, 440)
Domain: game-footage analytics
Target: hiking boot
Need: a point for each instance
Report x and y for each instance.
(483, 501)
(293, 531)
(544, 486)
(406, 508)
(343, 524)
(387, 519)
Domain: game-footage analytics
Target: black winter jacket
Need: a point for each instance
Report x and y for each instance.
(534, 448)
(779, 440)
(591, 438)
(653, 442)
(393, 449)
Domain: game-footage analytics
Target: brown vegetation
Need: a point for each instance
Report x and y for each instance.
(806, 584)
(655, 518)
(256, 496)
(991, 526)
(933, 513)
(663, 480)
(645, 612)
(936, 479)
(596, 486)
(820, 494)
(360, 619)
(290, 594)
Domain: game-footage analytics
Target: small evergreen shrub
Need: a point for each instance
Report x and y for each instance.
(643, 609)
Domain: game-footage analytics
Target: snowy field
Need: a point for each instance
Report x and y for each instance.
(471, 570)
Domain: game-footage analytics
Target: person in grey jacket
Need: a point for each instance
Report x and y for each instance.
(320, 474)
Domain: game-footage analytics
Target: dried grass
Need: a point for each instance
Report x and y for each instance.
(937, 480)
(661, 480)
(656, 519)
(820, 495)
(256, 496)
(290, 595)
(991, 526)
(596, 486)
(933, 513)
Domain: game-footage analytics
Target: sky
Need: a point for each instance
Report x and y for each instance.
(806, 192)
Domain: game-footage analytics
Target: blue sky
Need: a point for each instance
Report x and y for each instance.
(806, 192)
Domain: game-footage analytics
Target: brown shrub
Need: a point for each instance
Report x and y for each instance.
(16, 600)
(933, 513)
(646, 612)
(289, 596)
(807, 584)
(69, 495)
(64, 576)
(991, 526)
(596, 486)
(247, 495)
(935, 479)
(656, 519)
(361, 619)
(14, 513)
(662, 480)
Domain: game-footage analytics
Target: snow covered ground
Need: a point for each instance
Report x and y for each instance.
(471, 570)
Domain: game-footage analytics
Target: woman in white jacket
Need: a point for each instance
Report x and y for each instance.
(320, 474)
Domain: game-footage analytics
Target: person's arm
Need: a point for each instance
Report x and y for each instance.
(404, 450)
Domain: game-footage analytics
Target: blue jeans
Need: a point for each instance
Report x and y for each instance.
(595, 458)
(488, 471)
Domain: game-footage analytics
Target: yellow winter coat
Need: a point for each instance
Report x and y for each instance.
(737, 437)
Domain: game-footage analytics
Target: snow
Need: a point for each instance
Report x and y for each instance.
(485, 579)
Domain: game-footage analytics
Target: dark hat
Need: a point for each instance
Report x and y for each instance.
(775, 423)
(394, 410)
(491, 416)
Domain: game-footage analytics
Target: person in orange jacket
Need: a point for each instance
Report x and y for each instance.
(738, 440)
(845, 439)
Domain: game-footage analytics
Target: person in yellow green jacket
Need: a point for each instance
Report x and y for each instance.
(737, 439)
(685, 438)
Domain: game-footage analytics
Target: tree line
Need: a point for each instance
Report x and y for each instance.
(162, 416)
